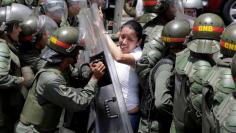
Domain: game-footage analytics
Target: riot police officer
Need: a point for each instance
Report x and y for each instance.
(11, 80)
(161, 79)
(74, 7)
(50, 92)
(153, 48)
(189, 9)
(192, 65)
(33, 38)
(11, 16)
(219, 84)
(152, 30)
(55, 9)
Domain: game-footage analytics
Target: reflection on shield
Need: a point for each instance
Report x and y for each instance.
(109, 107)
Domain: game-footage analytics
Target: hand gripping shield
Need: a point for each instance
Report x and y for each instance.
(111, 112)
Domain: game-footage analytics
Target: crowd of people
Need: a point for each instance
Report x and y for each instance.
(177, 71)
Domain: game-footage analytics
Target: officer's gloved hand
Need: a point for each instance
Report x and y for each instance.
(142, 67)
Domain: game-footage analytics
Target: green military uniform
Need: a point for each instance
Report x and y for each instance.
(50, 92)
(225, 114)
(219, 85)
(191, 68)
(34, 30)
(46, 100)
(161, 79)
(153, 50)
(11, 99)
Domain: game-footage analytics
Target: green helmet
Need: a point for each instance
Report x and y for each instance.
(228, 41)
(175, 32)
(233, 68)
(208, 26)
(64, 40)
(156, 6)
(34, 26)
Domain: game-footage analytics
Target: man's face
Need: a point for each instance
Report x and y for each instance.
(171, 11)
(74, 9)
(43, 42)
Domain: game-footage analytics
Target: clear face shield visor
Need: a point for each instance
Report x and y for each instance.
(78, 3)
(55, 9)
(189, 14)
(47, 24)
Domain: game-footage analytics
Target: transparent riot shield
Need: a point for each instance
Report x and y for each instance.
(110, 110)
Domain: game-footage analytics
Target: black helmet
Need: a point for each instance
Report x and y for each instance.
(175, 32)
(228, 41)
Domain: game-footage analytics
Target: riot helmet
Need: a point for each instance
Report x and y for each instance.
(55, 9)
(228, 41)
(156, 6)
(206, 33)
(34, 27)
(189, 9)
(74, 6)
(208, 26)
(64, 42)
(14, 13)
(175, 32)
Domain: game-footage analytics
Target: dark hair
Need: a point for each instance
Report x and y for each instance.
(135, 26)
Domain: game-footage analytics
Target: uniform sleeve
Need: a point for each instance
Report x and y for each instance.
(53, 88)
(9, 81)
(162, 91)
(151, 54)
